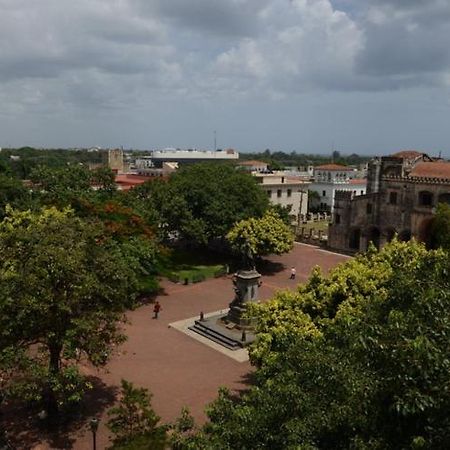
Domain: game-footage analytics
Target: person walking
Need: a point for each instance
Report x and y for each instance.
(293, 273)
(156, 309)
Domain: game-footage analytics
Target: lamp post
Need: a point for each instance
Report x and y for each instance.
(93, 425)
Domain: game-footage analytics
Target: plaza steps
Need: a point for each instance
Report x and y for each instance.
(216, 336)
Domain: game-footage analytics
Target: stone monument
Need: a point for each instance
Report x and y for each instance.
(233, 330)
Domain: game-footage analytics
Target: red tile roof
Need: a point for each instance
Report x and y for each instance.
(358, 181)
(334, 167)
(438, 169)
(407, 154)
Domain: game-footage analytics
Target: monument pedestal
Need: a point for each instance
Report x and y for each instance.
(233, 330)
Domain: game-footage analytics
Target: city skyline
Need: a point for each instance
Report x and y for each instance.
(291, 75)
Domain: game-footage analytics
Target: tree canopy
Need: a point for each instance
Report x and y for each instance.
(63, 288)
(202, 202)
(356, 360)
(261, 236)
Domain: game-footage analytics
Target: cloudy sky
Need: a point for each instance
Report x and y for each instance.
(364, 76)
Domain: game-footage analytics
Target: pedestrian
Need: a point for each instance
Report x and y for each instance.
(293, 273)
(156, 309)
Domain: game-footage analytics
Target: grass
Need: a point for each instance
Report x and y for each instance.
(193, 266)
(321, 225)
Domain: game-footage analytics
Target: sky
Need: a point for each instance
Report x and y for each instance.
(358, 76)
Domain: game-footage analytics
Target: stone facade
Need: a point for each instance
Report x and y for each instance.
(402, 193)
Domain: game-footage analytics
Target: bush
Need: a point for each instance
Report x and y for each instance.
(220, 272)
(197, 277)
(174, 277)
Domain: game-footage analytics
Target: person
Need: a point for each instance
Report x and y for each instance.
(156, 310)
(293, 273)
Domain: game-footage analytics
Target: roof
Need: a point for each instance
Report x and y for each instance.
(358, 181)
(253, 162)
(334, 167)
(407, 154)
(437, 169)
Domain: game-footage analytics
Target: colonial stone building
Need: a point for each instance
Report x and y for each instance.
(402, 193)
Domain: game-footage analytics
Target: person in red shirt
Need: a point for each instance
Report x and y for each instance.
(156, 309)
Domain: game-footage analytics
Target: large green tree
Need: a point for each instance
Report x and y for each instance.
(64, 286)
(356, 360)
(211, 198)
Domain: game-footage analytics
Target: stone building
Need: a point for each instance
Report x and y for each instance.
(113, 158)
(402, 192)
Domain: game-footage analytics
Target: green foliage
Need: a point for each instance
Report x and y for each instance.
(14, 193)
(133, 421)
(63, 288)
(440, 227)
(261, 236)
(357, 360)
(201, 202)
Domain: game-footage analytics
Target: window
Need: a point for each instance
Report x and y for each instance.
(324, 194)
(282, 179)
(269, 193)
(369, 208)
(289, 192)
(279, 193)
(393, 198)
(425, 198)
(337, 219)
(362, 192)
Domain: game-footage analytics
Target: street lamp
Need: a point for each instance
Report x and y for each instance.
(93, 425)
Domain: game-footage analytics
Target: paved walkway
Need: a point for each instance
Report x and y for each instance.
(177, 369)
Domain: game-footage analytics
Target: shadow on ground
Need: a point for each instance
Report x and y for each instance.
(268, 268)
(25, 430)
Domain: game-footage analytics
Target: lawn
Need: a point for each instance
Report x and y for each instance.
(196, 266)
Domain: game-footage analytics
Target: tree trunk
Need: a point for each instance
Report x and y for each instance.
(51, 402)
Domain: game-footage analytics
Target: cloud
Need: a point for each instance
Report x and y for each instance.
(113, 54)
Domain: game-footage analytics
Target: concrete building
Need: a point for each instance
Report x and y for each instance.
(402, 192)
(286, 191)
(329, 178)
(157, 157)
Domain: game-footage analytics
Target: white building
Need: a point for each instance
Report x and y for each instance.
(157, 157)
(286, 191)
(329, 178)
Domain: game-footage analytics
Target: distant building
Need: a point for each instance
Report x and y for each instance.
(402, 192)
(329, 178)
(114, 160)
(157, 157)
(254, 166)
(165, 170)
(286, 191)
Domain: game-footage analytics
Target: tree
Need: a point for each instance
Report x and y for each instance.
(258, 237)
(440, 227)
(214, 197)
(64, 286)
(356, 360)
(12, 191)
(133, 421)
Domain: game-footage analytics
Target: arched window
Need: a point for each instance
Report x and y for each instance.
(374, 237)
(390, 233)
(425, 198)
(405, 236)
(355, 237)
